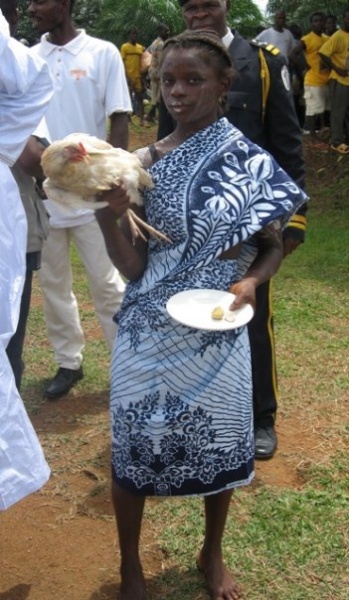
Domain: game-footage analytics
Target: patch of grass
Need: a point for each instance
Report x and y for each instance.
(310, 306)
(282, 544)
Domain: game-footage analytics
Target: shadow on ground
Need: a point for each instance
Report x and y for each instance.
(18, 592)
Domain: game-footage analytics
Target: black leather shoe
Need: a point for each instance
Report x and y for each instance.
(265, 442)
(63, 381)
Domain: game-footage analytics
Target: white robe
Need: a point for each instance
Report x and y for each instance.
(25, 90)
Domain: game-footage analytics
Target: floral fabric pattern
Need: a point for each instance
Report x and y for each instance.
(181, 398)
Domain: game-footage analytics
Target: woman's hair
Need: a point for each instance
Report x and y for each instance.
(210, 45)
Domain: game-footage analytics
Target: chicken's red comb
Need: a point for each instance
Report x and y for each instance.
(83, 149)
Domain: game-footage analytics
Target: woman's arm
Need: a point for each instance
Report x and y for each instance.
(130, 259)
(265, 265)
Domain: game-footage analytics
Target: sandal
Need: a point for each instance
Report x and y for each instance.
(341, 148)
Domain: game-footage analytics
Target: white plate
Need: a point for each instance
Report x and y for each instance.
(194, 309)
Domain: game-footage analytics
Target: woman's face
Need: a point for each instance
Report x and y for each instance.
(191, 88)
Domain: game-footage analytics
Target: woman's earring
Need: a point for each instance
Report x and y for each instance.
(222, 103)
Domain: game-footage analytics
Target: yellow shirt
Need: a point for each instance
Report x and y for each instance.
(337, 49)
(131, 55)
(315, 76)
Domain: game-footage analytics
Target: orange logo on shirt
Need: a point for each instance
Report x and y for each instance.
(78, 73)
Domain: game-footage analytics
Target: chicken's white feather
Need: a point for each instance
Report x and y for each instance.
(80, 166)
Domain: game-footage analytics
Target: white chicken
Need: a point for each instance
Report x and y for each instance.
(80, 166)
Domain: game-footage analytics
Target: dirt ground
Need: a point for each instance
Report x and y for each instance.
(60, 544)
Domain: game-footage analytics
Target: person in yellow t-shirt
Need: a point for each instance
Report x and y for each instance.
(316, 88)
(131, 53)
(330, 25)
(335, 56)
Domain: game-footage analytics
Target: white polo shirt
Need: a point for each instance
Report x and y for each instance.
(90, 85)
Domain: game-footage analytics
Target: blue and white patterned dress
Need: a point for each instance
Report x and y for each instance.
(181, 398)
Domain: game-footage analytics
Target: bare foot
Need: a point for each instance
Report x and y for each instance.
(220, 583)
(132, 585)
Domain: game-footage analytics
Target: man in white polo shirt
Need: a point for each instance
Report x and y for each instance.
(90, 86)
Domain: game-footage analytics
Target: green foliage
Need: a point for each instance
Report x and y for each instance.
(87, 15)
(299, 12)
(117, 18)
(245, 16)
(24, 28)
(115, 21)
(111, 20)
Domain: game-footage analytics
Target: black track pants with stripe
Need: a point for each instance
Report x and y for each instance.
(261, 333)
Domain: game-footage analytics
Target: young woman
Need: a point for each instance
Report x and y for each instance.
(181, 397)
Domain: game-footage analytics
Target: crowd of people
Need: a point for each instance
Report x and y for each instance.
(319, 62)
(189, 413)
